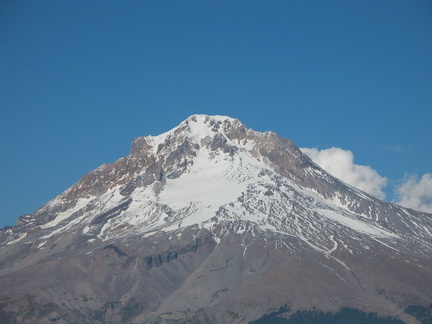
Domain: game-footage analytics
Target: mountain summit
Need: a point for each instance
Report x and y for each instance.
(212, 222)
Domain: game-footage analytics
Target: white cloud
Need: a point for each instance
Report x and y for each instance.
(416, 193)
(340, 163)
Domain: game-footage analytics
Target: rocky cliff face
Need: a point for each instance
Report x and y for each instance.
(212, 222)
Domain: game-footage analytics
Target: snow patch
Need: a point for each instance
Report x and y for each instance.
(358, 226)
(205, 188)
(67, 213)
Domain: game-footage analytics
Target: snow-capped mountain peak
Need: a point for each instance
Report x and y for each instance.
(212, 189)
(214, 167)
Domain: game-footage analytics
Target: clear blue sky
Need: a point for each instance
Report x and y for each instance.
(80, 79)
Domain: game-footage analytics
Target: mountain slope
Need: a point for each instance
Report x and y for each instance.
(209, 220)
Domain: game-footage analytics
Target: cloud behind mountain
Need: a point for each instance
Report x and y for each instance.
(415, 192)
(340, 163)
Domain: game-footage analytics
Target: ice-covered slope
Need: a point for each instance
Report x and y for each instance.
(212, 190)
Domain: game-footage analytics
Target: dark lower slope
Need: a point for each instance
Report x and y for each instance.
(198, 276)
(345, 315)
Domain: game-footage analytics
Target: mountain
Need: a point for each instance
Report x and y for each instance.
(212, 222)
